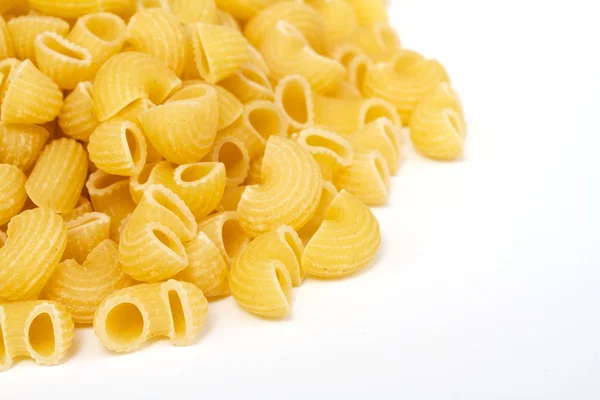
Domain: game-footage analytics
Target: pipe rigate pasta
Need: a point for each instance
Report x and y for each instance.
(83, 206)
(244, 9)
(378, 41)
(255, 172)
(227, 19)
(230, 108)
(338, 18)
(381, 135)
(77, 118)
(6, 46)
(225, 231)
(151, 174)
(233, 153)
(12, 192)
(78, 8)
(23, 31)
(21, 144)
(84, 233)
(294, 96)
(345, 90)
(327, 195)
(329, 149)
(367, 177)
(249, 83)
(231, 198)
(190, 11)
(369, 12)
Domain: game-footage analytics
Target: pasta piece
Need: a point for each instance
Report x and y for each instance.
(244, 9)
(256, 58)
(231, 198)
(369, 12)
(21, 145)
(78, 8)
(146, 4)
(64, 62)
(82, 207)
(255, 172)
(346, 241)
(12, 192)
(77, 118)
(381, 135)
(338, 18)
(41, 330)
(3, 239)
(367, 178)
(327, 195)
(404, 81)
(62, 166)
(290, 191)
(26, 264)
(14, 7)
(330, 150)
(249, 84)
(219, 51)
(128, 77)
(294, 97)
(84, 234)
(190, 70)
(190, 11)
(226, 233)
(357, 70)
(301, 16)
(118, 147)
(374, 108)
(378, 41)
(6, 46)
(81, 288)
(287, 52)
(129, 317)
(29, 97)
(23, 31)
(261, 278)
(151, 174)
(158, 33)
(230, 108)
(232, 153)
(207, 269)
(344, 53)
(183, 129)
(345, 91)
(437, 126)
(227, 19)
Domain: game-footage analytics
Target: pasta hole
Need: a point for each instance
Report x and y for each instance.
(324, 142)
(61, 48)
(388, 38)
(144, 174)
(254, 77)
(284, 283)
(124, 323)
(105, 181)
(389, 132)
(134, 146)
(233, 158)
(166, 240)
(41, 335)
(265, 121)
(190, 92)
(195, 173)
(168, 202)
(376, 111)
(382, 169)
(201, 58)
(290, 240)
(179, 322)
(3, 355)
(295, 102)
(234, 238)
(359, 75)
(105, 29)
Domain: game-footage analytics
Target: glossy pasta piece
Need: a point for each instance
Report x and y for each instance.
(226, 233)
(287, 52)
(78, 8)
(130, 76)
(437, 126)
(232, 153)
(6, 46)
(159, 34)
(29, 96)
(294, 96)
(231, 198)
(248, 84)
(62, 166)
(23, 31)
(346, 242)
(81, 287)
(84, 234)
(244, 9)
(21, 145)
(129, 317)
(12, 192)
(367, 178)
(327, 195)
(261, 278)
(289, 194)
(183, 129)
(160, 173)
(339, 18)
(378, 41)
(83, 206)
(369, 12)
(41, 330)
(329, 149)
(255, 172)
(77, 118)
(383, 136)
(118, 147)
(190, 11)
(25, 264)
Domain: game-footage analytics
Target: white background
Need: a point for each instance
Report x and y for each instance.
(488, 282)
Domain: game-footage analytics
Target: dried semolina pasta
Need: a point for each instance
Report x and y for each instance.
(230, 108)
(12, 192)
(77, 118)
(231, 198)
(233, 153)
(378, 41)
(226, 233)
(294, 96)
(255, 171)
(369, 12)
(24, 30)
(367, 177)
(327, 195)
(226, 19)
(78, 8)
(249, 83)
(329, 149)
(244, 9)
(6, 46)
(345, 90)
(158, 173)
(21, 144)
(383, 136)
(84, 234)
(338, 16)
(190, 11)
(83, 206)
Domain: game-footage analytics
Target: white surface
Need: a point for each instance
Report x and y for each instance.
(487, 286)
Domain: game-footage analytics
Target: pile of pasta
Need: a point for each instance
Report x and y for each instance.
(157, 154)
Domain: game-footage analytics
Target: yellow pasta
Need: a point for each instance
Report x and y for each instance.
(3, 239)
(190, 11)
(129, 317)
(231, 198)
(248, 84)
(146, 4)
(6, 46)
(63, 167)
(374, 108)
(130, 76)
(437, 126)
(383, 136)
(329, 149)
(225, 231)
(287, 52)
(327, 195)
(294, 97)
(77, 118)
(256, 58)
(232, 153)
(78, 8)
(369, 12)
(21, 145)
(367, 177)
(183, 129)
(227, 19)
(357, 69)
(15, 7)
(255, 171)
(84, 234)
(26, 264)
(244, 9)
(344, 53)
(41, 330)
(29, 96)
(81, 287)
(230, 108)
(261, 278)
(346, 91)
(12, 192)
(23, 31)
(118, 147)
(378, 41)
(83, 206)
(346, 241)
(339, 18)
(159, 34)
(151, 174)
(289, 194)
(219, 51)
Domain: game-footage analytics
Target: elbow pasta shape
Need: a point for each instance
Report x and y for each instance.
(21, 145)
(338, 18)
(78, 8)
(159, 34)
(6, 46)
(346, 241)
(24, 30)
(225, 231)
(29, 96)
(131, 76)
(232, 153)
(190, 11)
(369, 12)
(248, 84)
(367, 178)
(244, 9)
(379, 41)
(129, 317)
(329, 149)
(12, 192)
(289, 194)
(83, 206)
(41, 330)
(261, 278)
(287, 52)
(183, 129)
(62, 166)
(383, 136)
(294, 96)
(437, 126)
(77, 118)
(26, 265)
(81, 287)
(231, 198)
(327, 195)
(84, 234)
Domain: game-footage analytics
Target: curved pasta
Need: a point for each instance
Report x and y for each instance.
(190, 11)
(25, 264)
(367, 178)
(329, 149)
(63, 166)
(378, 41)
(289, 194)
(327, 195)
(151, 174)
(437, 126)
(244, 9)
(130, 76)
(357, 70)
(231, 198)
(230, 108)
(261, 278)
(83, 206)
(78, 8)
(248, 84)
(84, 234)
(383, 136)
(23, 31)
(225, 231)
(81, 287)
(12, 192)
(287, 52)
(369, 12)
(77, 118)
(129, 317)
(346, 241)
(256, 58)
(159, 34)
(183, 129)
(232, 153)
(6, 46)
(255, 172)
(227, 19)
(41, 330)
(345, 90)
(339, 18)
(374, 108)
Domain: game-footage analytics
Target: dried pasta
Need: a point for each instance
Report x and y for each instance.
(338, 18)
(244, 9)
(6, 46)
(21, 144)
(249, 83)
(24, 30)
(12, 192)
(367, 177)
(232, 153)
(83, 206)
(226, 233)
(78, 8)
(378, 41)
(84, 234)
(77, 118)
(231, 198)
(327, 195)
(369, 12)
(383, 136)
(294, 97)
(151, 174)
(329, 149)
